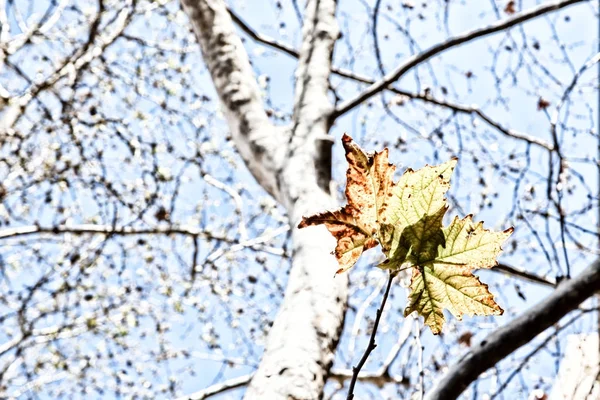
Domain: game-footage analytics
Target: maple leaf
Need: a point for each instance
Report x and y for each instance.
(352, 239)
(434, 288)
(369, 182)
(416, 209)
(446, 282)
(443, 258)
(406, 218)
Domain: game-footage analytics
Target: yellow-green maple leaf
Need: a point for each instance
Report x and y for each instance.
(446, 281)
(435, 288)
(443, 279)
(415, 211)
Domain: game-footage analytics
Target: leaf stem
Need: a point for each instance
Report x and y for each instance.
(372, 345)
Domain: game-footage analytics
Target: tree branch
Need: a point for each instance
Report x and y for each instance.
(300, 348)
(219, 388)
(518, 332)
(109, 230)
(578, 377)
(82, 229)
(522, 274)
(456, 107)
(464, 109)
(289, 50)
(97, 42)
(257, 140)
(455, 41)
(376, 378)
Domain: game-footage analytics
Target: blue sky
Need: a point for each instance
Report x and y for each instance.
(198, 128)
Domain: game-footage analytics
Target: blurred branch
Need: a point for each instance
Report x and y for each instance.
(36, 384)
(105, 230)
(237, 199)
(358, 319)
(77, 61)
(382, 375)
(552, 336)
(578, 377)
(377, 378)
(505, 340)
(289, 50)
(526, 275)
(455, 41)
(219, 388)
(50, 17)
(110, 230)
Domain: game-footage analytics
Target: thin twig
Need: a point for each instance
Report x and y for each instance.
(83, 229)
(532, 353)
(372, 345)
(360, 313)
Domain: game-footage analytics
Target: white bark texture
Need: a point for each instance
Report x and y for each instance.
(294, 166)
(579, 374)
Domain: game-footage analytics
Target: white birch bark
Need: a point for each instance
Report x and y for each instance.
(579, 374)
(294, 166)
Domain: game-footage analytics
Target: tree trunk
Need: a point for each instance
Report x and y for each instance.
(294, 165)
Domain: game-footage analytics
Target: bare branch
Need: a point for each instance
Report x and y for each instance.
(420, 58)
(79, 60)
(298, 184)
(518, 332)
(48, 20)
(110, 230)
(552, 336)
(340, 375)
(314, 65)
(456, 107)
(461, 108)
(578, 377)
(102, 229)
(298, 355)
(289, 50)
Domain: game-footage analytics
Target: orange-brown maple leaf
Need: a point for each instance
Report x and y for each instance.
(369, 185)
